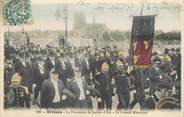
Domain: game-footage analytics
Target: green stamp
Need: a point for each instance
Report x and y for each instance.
(17, 12)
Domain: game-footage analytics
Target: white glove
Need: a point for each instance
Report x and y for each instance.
(64, 97)
(160, 76)
(87, 92)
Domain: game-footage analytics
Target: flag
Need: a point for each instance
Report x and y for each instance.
(142, 41)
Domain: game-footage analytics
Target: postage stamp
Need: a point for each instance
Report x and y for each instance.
(17, 12)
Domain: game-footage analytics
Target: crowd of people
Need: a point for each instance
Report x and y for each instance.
(69, 77)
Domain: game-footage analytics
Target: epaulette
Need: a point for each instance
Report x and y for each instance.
(123, 74)
(26, 89)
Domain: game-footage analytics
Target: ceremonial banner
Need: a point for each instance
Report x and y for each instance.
(142, 41)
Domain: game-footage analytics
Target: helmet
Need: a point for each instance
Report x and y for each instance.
(105, 67)
(119, 64)
(101, 54)
(16, 79)
(156, 59)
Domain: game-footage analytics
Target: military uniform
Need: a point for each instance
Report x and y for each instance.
(122, 86)
(22, 98)
(104, 86)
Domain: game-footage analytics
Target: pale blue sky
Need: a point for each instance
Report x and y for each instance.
(44, 17)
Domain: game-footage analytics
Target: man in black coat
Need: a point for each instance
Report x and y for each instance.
(139, 96)
(48, 65)
(92, 66)
(60, 70)
(85, 70)
(122, 91)
(69, 70)
(77, 60)
(27, 78)
(104, 86)
(177, 63)
(153, 74)
(52, 91)
(122, 85)
(78, 86)
(82, 91)
(37, 78)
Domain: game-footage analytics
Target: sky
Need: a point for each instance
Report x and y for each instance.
(44, 16)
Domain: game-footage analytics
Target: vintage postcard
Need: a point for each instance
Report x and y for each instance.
(62, 58)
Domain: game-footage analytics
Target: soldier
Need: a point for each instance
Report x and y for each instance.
(104, 86)
(22, 98)
(167, 56)
(122, 85)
